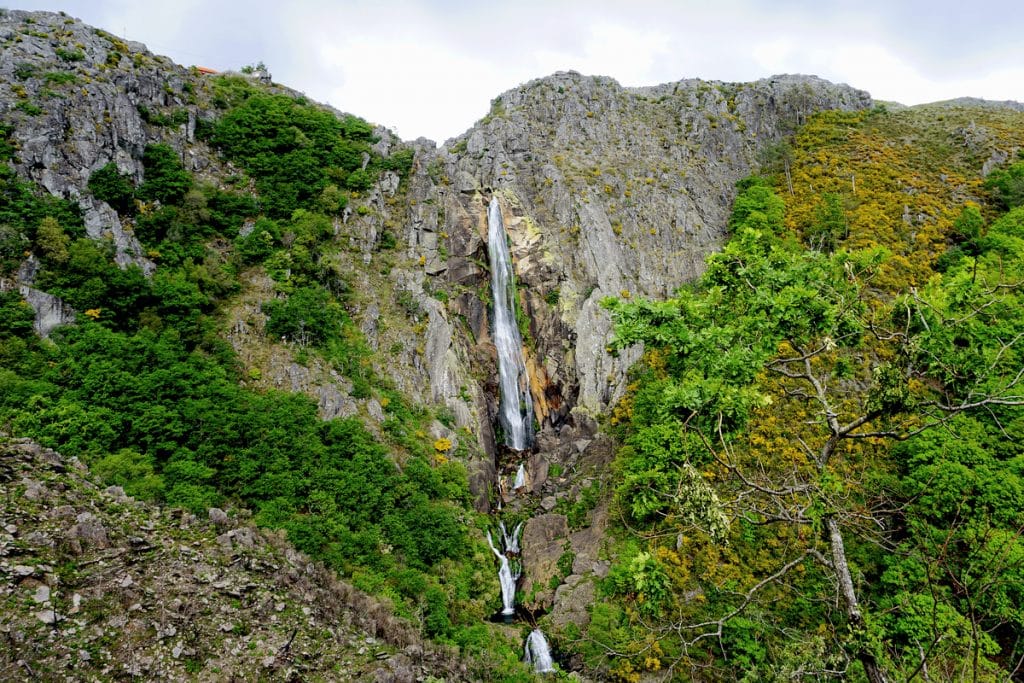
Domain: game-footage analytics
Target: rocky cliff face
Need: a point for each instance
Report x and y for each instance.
(607, 191)
(75, 97)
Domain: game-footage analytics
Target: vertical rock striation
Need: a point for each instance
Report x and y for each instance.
(608, 191)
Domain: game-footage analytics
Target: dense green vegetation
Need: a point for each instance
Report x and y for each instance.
(821, 471)
(297, 152)
(1008, 185)
(820, 475)
(145, 389)
(22, 211)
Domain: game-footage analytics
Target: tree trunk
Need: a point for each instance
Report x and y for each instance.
(874, 670)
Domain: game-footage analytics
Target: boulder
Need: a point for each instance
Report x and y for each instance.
(544, 541)
(571, 602)
(88, 532)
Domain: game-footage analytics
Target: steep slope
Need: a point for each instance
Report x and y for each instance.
(820, 450)
(95, 584)
(203, 291)
(79, 98)
(607, 190)
(227, 249)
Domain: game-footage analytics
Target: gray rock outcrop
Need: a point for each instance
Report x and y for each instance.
(544, 542)
(606, 191)
(76, 96)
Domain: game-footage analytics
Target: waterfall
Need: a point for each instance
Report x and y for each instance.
(510, 542)
(506, 576)
(516, 412)
(520, 480)
(537, 653)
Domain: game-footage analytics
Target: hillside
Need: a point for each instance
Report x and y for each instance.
(100, 586)
(821, 464)
(763, 338)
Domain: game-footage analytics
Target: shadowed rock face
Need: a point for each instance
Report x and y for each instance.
(608, 191)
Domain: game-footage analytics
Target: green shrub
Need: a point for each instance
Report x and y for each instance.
(307, 317)
(22, 211)
(225, 212)
(70, 55)
(6, 146)
(176, 118)
(359, 180)
(165, 178)
(16, 316)
(400, 162)
(60, 78)
(25, 70)
(109, 185)
(29, 108)
(436, 622)
(386, 241)
(260, 243)
(1007, 184)
(132, 471)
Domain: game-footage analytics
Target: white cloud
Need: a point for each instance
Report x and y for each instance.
(400, 87)
(627, 54)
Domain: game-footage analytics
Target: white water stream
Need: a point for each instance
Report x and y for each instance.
(537, 653)
(516, 412)
(520, 480)
(507, 574)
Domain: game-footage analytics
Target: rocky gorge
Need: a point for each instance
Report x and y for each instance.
(597, 190)
(605, 191)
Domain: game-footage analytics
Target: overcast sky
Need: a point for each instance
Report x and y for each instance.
(430, 67)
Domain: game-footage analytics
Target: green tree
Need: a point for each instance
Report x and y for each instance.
(307, 317)
(830, 225)
(774, 327)
(107, 183)
(16, 316)
(52, 240)
(132, 471)
(1007, 184)
(165, 179)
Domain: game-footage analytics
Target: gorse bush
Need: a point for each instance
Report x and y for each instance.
(821, 414)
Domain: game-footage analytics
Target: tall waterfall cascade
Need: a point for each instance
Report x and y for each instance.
(516, 412)
(537, 653)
